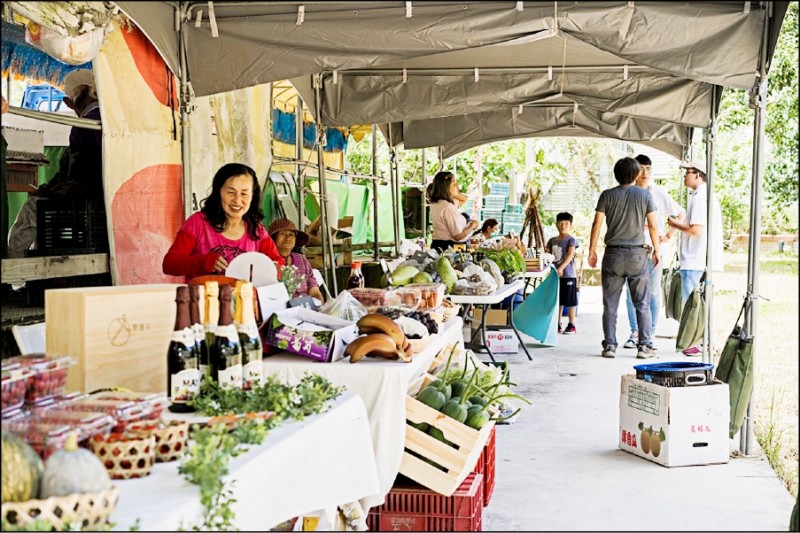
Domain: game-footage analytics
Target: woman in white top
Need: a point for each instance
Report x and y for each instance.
(449, 225)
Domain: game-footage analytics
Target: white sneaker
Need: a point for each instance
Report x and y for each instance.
(632, 341)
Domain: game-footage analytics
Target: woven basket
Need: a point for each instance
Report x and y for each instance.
(170, 440)
(90, 510)
(129, 457)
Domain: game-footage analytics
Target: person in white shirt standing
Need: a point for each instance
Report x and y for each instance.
(694, 244)
(666, 206)
(449, 225)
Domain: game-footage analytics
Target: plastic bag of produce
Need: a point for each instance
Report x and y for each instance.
(492, 268)
(345, 307)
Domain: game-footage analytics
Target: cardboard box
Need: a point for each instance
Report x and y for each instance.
(118, 335)
(494, 317)
(690, 424)
(310, 334)
(502, 341)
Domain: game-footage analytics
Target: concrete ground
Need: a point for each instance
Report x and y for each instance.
(559, 468)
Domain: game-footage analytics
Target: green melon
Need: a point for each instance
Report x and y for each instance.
(22, 470)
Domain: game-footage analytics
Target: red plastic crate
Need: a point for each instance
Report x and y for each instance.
(421, 509)
(489, 459)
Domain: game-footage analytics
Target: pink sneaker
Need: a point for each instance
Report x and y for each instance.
(693, 351)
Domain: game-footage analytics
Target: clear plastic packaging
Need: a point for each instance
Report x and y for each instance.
(86, 423)
(345, 306)
(431, 295)
(372, 298)
(124, 412)
(410, 297)
(14, 385)
(44, 437)
(48, 376)
(155, 402)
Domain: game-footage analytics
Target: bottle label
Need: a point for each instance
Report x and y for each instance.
(253, 374)
(231, 377)
(229, 332)
(184, 386)
(184, 336)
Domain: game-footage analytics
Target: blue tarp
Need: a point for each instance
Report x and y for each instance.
(537, 316)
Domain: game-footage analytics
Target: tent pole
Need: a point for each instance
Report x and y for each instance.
(709, 283)
(327, 240)
(298, 155)
(758, 102)
(399, 195)
(375, 191)
(185, 103)
(424, 200)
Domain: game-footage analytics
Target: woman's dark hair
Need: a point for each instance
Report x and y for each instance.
(439, 189)
(211, 206)
(626, 170)
(489, 223)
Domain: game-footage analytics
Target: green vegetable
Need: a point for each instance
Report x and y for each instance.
(447, 273)
(403, 275)
(509, 260)
(432, 397)
(422, 277)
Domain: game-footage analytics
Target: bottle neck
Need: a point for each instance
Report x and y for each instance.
(212, 303)
(248, 315)
(182, 309)
(194, 304)
(225, 315)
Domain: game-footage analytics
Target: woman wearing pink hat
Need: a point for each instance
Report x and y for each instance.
(288, 238)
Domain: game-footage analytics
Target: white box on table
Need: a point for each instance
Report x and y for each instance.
(502, 341)
(694, 421)
(310, 333)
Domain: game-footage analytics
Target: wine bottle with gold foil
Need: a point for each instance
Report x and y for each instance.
(210, 319)
(252, 354)
(226, 355)
(183, 370)
(196, 312)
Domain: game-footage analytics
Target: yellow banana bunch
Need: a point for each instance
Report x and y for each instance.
(380, 337)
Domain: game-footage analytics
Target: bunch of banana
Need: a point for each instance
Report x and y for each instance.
(380, 337)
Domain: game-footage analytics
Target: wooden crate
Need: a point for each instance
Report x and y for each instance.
(118, 336)
(459, 462)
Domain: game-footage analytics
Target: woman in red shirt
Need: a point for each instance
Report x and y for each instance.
(227, 225)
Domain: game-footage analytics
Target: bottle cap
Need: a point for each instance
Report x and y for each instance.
(355, 264)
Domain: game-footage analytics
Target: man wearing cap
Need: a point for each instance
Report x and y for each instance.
(666, 206)
(288, 238)
(80, 174)
(694, 244)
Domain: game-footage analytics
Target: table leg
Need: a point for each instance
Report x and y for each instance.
(482, 346)
(485, 311)
(514, 327)
(525, 288)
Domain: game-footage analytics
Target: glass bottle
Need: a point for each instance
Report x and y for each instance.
(226, 356)
(196, 296)
(356, 279)
(252, 354)
(211, 317)
(183, 370)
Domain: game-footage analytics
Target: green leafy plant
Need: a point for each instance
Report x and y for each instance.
(208, 457)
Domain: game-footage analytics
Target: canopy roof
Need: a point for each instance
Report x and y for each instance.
(385, 62)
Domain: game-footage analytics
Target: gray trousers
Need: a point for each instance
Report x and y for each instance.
(621, 265)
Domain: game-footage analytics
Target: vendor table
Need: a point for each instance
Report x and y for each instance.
(484, 302)
(533, 278)
(383, 384)
(318, 463)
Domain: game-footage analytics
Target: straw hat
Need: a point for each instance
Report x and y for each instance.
(281, 224)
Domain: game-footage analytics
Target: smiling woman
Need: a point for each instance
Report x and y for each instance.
(228, 224)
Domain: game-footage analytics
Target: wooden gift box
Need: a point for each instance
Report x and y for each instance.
(118, 335)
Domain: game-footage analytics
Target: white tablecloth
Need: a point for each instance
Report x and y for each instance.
(383, 385)
(318, 463)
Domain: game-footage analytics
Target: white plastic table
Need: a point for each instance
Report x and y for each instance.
(484, 301)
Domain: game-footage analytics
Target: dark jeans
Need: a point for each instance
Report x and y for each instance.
(621, 265)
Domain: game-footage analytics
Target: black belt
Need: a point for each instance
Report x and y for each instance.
(627, 246)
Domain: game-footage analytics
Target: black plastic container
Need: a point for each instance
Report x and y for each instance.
(675, 374)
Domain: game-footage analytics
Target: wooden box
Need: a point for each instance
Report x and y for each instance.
(457, 463)
(118, 336)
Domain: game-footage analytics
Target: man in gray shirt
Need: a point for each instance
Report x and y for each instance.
(625, 209)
